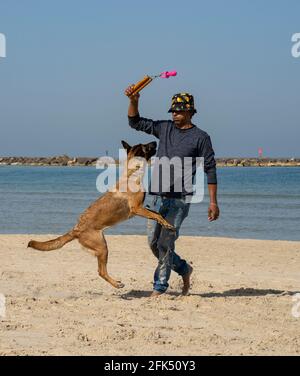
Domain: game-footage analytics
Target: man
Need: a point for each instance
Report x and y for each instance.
(178, 138)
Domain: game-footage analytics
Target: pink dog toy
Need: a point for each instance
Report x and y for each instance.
(168, 74)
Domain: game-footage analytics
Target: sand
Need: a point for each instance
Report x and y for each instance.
(240, 303)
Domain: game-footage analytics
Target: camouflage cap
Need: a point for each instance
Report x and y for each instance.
(182, 102)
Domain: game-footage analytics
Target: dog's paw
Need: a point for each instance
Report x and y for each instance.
(119, 285)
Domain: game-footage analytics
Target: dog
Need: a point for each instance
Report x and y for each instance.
(116, 205)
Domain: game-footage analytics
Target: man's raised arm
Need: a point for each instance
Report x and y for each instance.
(139, 123)
(133, 108)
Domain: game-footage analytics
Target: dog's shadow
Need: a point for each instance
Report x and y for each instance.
(241, 292)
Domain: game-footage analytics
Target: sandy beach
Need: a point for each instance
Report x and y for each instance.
(240, 302)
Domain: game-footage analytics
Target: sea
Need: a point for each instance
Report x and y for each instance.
(255, 202)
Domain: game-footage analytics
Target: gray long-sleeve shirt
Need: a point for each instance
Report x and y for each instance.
(175, 142)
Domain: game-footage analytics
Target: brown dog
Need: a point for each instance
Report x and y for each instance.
(116, 205)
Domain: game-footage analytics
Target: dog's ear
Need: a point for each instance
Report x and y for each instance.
(152, 145)
(148, 147)
(126, 146)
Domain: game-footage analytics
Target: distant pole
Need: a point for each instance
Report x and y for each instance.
(106, 153)
(260, 152)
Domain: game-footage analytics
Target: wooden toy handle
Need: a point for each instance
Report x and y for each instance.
(141, 84)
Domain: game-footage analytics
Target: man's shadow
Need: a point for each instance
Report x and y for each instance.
(137, 294)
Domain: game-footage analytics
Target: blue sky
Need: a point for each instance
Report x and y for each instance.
(68, 63)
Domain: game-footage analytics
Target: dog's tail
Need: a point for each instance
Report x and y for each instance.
(51, 245)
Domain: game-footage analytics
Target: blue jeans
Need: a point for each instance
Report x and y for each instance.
(162, 240)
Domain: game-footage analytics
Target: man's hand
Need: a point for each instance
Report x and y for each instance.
(213, 212)
(133, 109)
(133, 98)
